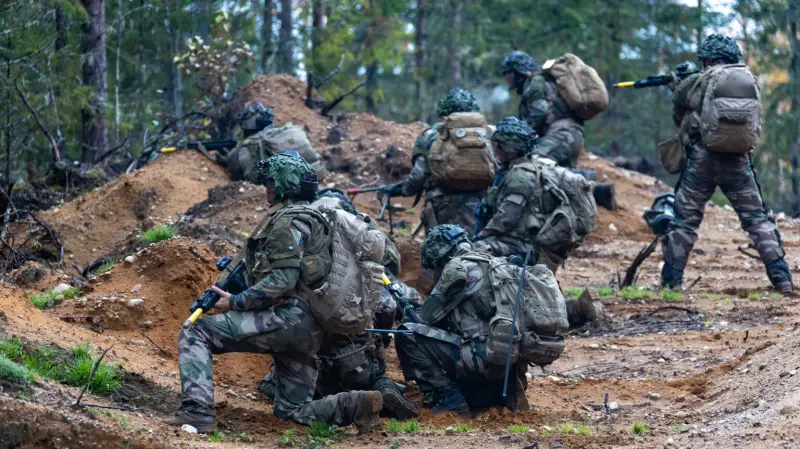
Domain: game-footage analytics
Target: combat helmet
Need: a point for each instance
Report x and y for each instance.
(719, 49)
(255, 118)
(289, 175)
(347, 205)
(457, 100)
(512, 135)
(519, 62)
(439, 244)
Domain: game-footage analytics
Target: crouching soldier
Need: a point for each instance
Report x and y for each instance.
(273, 315)
(459, 352)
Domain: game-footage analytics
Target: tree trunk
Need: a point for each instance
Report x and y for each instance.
(454, 51)
(372, 86)
(94, 135)
(286, 44)
(795, 93)
(117, 108)
(317, 14)
(420, 42)
(268, 44)
(699, 23)
(177, 80)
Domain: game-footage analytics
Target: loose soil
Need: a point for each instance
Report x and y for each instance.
(717, 368)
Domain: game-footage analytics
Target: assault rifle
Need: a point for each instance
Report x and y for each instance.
(233, 283)
(682, 71)
(385, 198)
(150, 155)
(399, 295)
(514, 321)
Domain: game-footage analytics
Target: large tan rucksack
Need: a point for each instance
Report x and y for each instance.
(731, 112)
(461, 157)
(269, 142)
(579, 85)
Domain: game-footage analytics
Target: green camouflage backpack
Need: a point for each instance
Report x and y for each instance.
(268, 142)
(575, 217)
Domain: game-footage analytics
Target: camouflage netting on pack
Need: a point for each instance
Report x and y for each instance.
(519, 62)
(286, 171)
(513, 135)
(720, 48)
(439, 242)
(457, 100)
(249, 117)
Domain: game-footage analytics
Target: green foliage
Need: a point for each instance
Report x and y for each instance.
(395, 426)
(754, 296)
(44, 361)
(289, 439)
(107, 379)
(678, 428)
(605, 292)
(216, 437)
(12, 371)
(157, 234)
(462, 428)
(243, 437)
(635, 292)
(123, 421)
(669, 295)
(572, 429)
(395, 444)
(45, 300)
(12, 348)
(639, 428)
(518, 428)
(104, 268)
(573, 292)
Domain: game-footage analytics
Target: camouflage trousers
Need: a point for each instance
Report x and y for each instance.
(733, 173)
(438, 359)
(290, 334)
(562, 143)
(451, 208)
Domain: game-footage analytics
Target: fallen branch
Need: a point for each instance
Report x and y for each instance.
(691, 286)
(327, 109)
(330, 75)
(680, 309)
(91, 376)
(111, 407)
(744, 251)
(630, 273)
(309, 89)
(39, 123)
(112, 150)
(167, 353)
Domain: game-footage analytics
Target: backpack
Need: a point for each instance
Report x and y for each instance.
(461, 157)
(567, 226)
(268, 142)
(731, 112)
(347, 299)
(542, 313)
(579, 85)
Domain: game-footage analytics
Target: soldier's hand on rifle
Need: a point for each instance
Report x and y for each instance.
(224, 304)
(391, 190)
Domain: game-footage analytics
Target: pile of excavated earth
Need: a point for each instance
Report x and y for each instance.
(713, 366)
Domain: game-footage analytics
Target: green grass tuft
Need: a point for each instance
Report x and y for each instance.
(289, 439)
(48, 299)
(669, 295)
(106, 267)
(123, 421)
(573, 292)
(320, 429)
(639, 428)
(158, 234)
(13, 372)
(518, 428)
(395, 426)
(634, 292)
(755, 296)
(244, 436)
(462, 428)
(395, 444)
(215, 437)
(605, 292)
(44, 361)
(107, 379)
(12, 348)
(572, 429)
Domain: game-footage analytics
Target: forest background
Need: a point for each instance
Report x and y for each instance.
(87, 82)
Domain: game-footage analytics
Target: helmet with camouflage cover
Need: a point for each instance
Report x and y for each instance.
(347, 205)
(289, 175)
(513, 136)
(255, 118)
(719, 48)
(457, 100)
(439, 243)
(519, 62)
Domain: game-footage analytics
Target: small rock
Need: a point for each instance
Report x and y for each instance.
(259, 209)
(147, 324)
(450, 430)
(130, 259)
(670, 442)
(613, 406)
(793, 372)
(136, 289)
(205, 169)
(612, 227)
(547, 429)
(553, 378)
(614, 348)
(241, 189)
(788, 410)
(661, 361)
(203, 179)
(654, 396)
(133, 303)
(191, 429)
(783, 374)
(231, 392)
(250, 396)
(591, 346)
(529, 376)
(61, 288)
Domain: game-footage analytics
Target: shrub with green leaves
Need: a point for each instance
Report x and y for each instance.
(605, 292)
(573, 292)
(48, 299)
(157, 234)
(107, 379)
(639, 428)
(12, 348)
(13, 372)
(670, 295)
(289, 439)
(409, 426)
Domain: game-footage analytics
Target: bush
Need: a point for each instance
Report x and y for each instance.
(12, 371)
(158, 234)
(639, 428)
(48, 299)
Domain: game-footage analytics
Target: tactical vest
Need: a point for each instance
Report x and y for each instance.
(521, 179)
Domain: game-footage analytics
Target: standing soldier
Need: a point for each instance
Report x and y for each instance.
(719, 128)
(545, 110)
(273, 315)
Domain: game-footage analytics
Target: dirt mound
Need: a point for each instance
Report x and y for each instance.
(98, 223)
(34, 275)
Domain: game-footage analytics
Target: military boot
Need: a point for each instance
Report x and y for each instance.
(780, 275)
(267, 386)
(451, 400)
(396, 405)
(604, 195)
(671, 277)
(367, 410)
(204, 423)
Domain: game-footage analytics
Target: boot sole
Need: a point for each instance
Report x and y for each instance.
(395, 403)
(373, 403)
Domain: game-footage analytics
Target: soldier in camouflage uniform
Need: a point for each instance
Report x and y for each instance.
(516, 210)
(560, 130)
(447, 355)
(358, 362)
(704, 171)
(442, 205)
(272, 316)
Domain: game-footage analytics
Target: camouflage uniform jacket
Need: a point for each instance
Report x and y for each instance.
(686, 108)
(541, 105)
(420, 177)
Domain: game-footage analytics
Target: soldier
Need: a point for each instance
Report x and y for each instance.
(706, 169)
(358, 362)
(442, 204)
(560, 130)
(518, 208)
(272, 316)
(452, 355)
